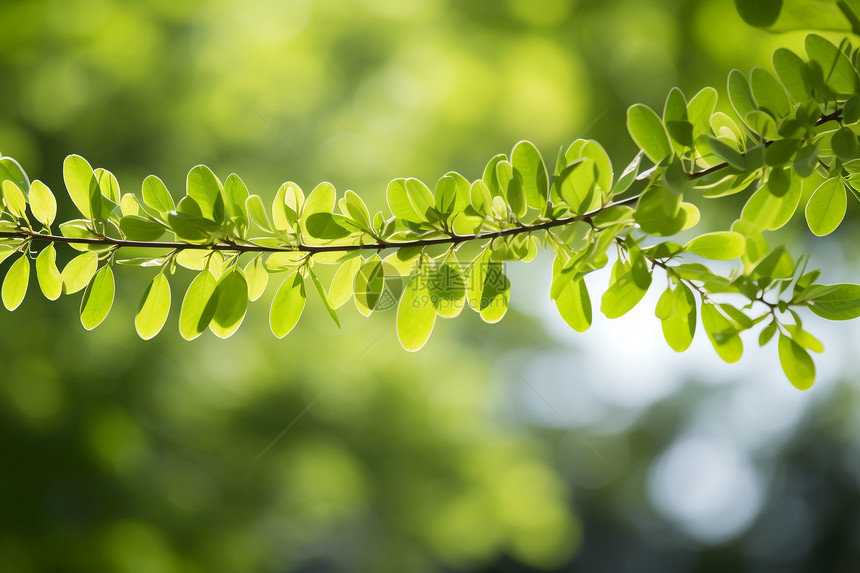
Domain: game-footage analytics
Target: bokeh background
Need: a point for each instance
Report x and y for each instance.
(521, 446)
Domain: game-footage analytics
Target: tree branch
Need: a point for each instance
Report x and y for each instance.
(28, 235)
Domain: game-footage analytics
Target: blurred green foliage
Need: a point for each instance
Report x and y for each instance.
(126, 456)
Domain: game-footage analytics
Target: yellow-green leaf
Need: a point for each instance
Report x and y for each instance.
(98, 298)
(719, 246)
(827, 206)
(647, 130)
(47, 273)
(16, 282)
(78, 272)
(796, 363)
(416, 315)
(287, 306)
(232, 303)
(42, 203)
(257, 277)
(154, 308)
(198, 308)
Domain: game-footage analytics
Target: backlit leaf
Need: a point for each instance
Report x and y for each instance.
(15, 283)
(98, 298)
(154, 308)
(287, 306)
(50, 280)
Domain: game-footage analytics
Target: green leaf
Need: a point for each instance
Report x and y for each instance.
(327, 226)
(836, 302)
(718, 246)
(844, 144)
(574, 303)
(791, 70)
(759, 13)
(137, 228)
(294, 199)
(50, 280)
(232, 303)
(659, 212)
(191, 228)
(154, 308)
(768, 211)
(98, 298)
(722, 333)
(79, 229)
(780, 152)
(851, 110)
(79, 271)
(369, 284)
(447, 287)
(421, 199)
(236, 196)
(324, 296)
(281, 221)
(767, 333)
(488, 290)
(826, 207)
(416, 315)
(480, 198)
(796, 363)
(14, 199)
(287, 306)
(727, 153)
(285, 260)
(257, 277)
(42, 203)
(342, 284)
(257, 213)
(839, 74)
(81, 183)
(576, 185)
(446, 196)
(108, 186)
(527, 161)
(740, 94)
(11, 170)
(156, 195)
(614, 215)
(489, 177)
(452, 194)
(321, 200)
(648, 132)
(806, 160)
(198, 306)
(204, 187)
(357, 210)
(700, 109)
(627, 286)
(680, 130)
(398, 201)
(511, 183)
(602, 169)
(105, 198)
(769, 94)
(804, 338)
(677, 312)
(16, 282)
(628, 176)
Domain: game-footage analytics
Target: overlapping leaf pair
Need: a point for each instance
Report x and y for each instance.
(442, 250)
